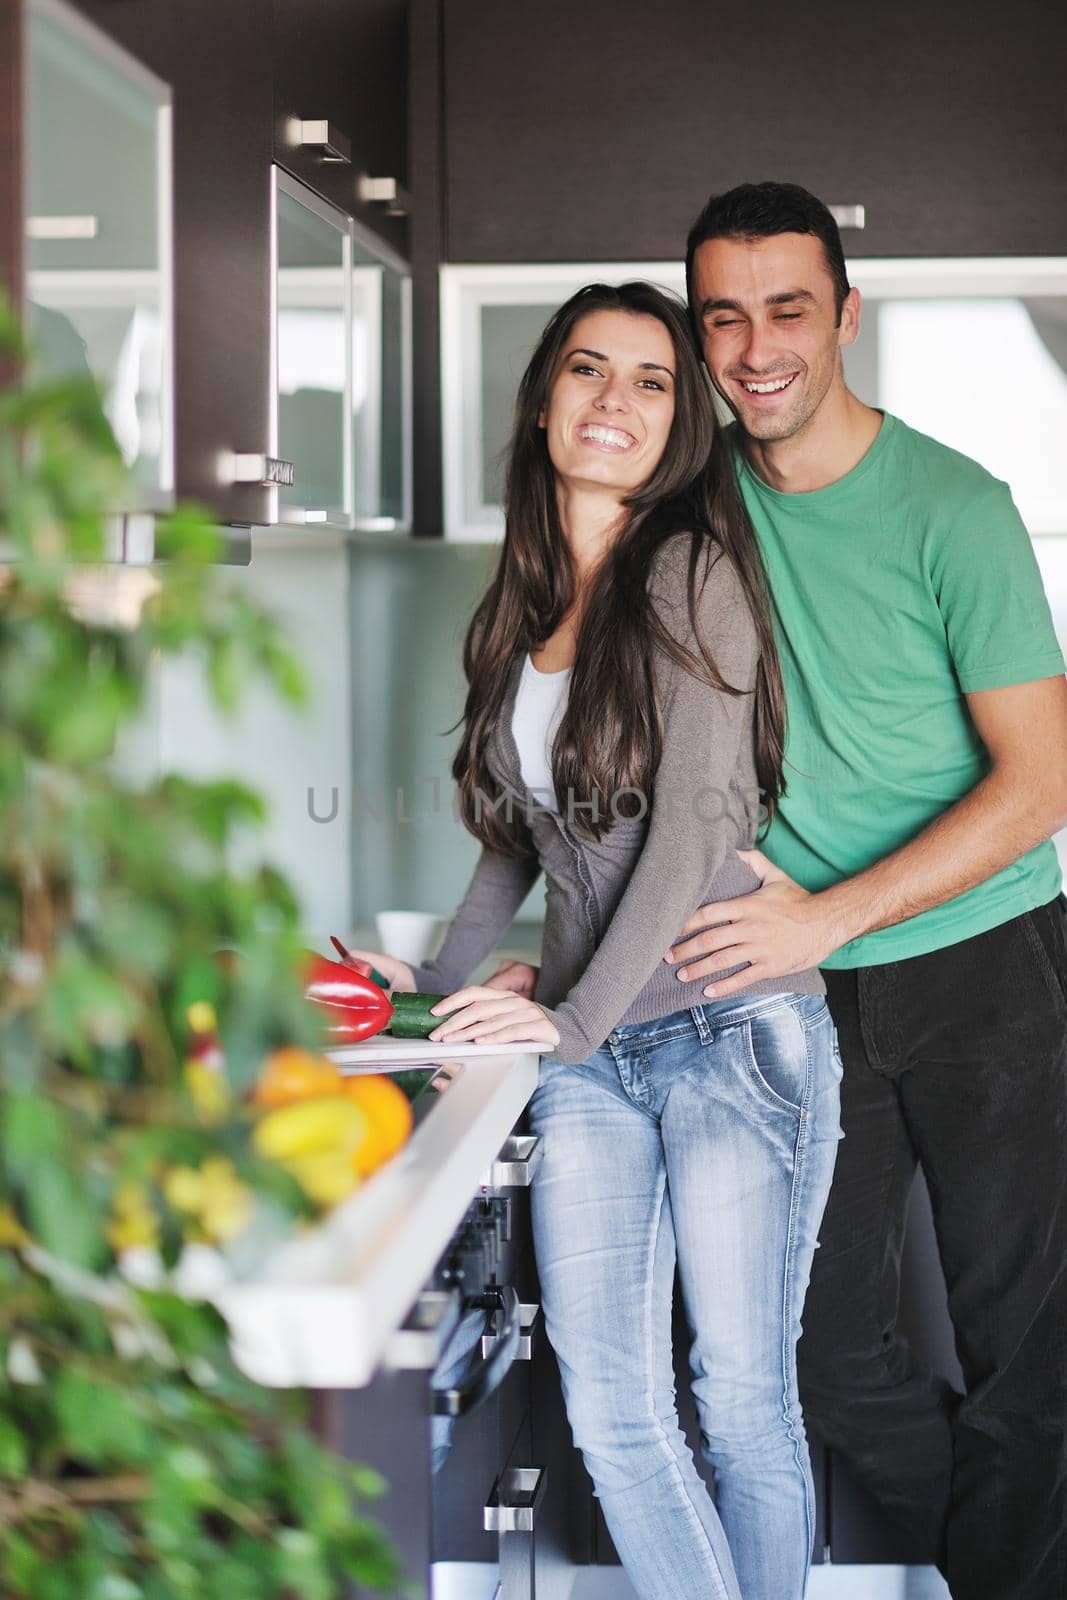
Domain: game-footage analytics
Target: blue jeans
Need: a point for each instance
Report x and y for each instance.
(704, 1139)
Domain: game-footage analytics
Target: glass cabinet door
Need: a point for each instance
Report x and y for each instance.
(98, 225)
(313, 363)
(943, 343)
(343, 360)
(381, 398)
(491, 320)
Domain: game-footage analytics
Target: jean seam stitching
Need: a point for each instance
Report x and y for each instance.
(652, 1039)
(788, 1350)
(777, 1101)
(650, 1359)
(753, 1007)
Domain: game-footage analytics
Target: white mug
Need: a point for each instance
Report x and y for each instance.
(411, 936)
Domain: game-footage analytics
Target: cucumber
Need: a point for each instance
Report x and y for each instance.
(411, 1015)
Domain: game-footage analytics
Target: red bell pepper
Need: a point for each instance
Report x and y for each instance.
(356, 1007)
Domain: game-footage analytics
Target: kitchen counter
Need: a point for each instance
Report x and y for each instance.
(327, 1314)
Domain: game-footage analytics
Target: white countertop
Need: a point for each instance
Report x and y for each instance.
(325, 1316)
(373, 1053)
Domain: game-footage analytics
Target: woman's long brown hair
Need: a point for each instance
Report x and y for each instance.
(609, 739)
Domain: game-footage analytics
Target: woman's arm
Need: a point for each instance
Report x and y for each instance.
(496, 891)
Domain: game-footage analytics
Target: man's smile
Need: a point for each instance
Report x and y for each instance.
(766, 385)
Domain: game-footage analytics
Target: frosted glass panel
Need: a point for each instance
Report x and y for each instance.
(509, 338)
(98, 232)
(344, 367)
(1052, 559)
(492, 319)
(972, 352)
(978, 375)
(312, 356)
(381, 344)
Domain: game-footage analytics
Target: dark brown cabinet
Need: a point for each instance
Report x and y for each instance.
(505, 1423)
(346, 64)
(217, 60)
(238, 71)
(595, 132)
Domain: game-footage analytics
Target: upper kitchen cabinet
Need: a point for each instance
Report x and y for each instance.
(218, 61)
(242, 74)
(381, 426)
(343, 362)
(314, 370)
(97, 195)
(596, 132)
(339, 104)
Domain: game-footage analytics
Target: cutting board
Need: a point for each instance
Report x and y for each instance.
(420, 1052)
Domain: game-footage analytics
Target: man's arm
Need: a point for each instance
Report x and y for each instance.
(1021, 801)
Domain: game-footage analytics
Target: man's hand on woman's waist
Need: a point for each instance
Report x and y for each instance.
(778, 929)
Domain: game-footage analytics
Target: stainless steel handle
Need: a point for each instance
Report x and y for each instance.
(519, 1159)
(516, 1495)
(387, 192)
(849, 216)
(62, 227)
(417, 1344)
(237, 466)
(317, 134)
(459, 1400)
(529, 1325)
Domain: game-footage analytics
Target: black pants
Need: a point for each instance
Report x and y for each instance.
(956, 1060)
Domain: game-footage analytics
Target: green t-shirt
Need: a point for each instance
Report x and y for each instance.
(905, 585)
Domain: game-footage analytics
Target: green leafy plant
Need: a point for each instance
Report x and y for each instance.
(135, 1460)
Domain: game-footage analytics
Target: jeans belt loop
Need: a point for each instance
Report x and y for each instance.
(703, 1026)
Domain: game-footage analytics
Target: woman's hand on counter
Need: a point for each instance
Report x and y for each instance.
(482, 1015)
(517, 977)
(400, 976)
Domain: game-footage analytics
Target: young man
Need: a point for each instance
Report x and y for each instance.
(926, 763)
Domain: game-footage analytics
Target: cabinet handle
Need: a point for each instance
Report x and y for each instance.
(517, 1162)
(516, 1495)
(492, 1370)
(529, 1326)
(318, 134)
(417, 1344)
(253, 467)
(387, 192)
(849, 216)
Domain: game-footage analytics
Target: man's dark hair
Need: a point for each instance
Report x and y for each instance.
(759, 211)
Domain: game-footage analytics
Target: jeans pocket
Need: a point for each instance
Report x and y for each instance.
(778, 1061)
(1043, 932)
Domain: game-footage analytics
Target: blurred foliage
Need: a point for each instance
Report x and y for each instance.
(134, 1459)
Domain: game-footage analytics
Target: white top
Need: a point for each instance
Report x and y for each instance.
(539, 705)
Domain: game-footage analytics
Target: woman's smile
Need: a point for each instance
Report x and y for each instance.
(602, 437)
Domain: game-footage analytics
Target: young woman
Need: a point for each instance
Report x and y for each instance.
(623, 717)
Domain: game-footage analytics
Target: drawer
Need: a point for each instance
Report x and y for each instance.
(479, 1445)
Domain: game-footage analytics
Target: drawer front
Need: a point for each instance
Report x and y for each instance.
(479, 1448)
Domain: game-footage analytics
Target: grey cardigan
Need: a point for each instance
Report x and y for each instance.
(614, 906)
